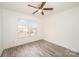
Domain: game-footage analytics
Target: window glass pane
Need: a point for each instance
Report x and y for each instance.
(26, 27)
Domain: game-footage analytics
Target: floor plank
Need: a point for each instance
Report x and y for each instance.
(40, 48)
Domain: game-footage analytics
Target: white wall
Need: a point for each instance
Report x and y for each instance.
(63, 29)
(10, 27)
(0, 31)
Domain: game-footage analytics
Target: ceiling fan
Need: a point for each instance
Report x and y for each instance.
(40, 8)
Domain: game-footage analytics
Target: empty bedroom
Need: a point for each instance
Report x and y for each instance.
(39, 29)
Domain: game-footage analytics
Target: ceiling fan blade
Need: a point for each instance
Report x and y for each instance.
(42, 5)
(35, 12)
(42, 13)
(32, 6)
(47, 8)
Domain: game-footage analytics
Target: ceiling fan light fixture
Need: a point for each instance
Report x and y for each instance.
(40, 10)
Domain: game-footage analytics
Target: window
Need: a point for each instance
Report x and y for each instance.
(26, 27)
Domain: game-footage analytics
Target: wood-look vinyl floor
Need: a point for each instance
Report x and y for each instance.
(40, 48)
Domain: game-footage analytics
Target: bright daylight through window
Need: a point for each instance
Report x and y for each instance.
(26, 27)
